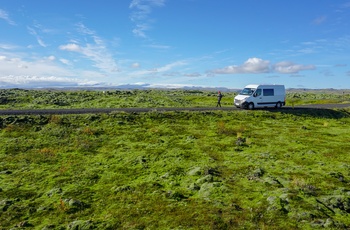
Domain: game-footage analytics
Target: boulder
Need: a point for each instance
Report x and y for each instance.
(208, 188)
(196, 171)
(205, 179)
(81, 225)
(54, 191)
(338, 202)
(194, 187)
(5, 204)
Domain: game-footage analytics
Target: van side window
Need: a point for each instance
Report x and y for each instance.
(268, 92)
(258, 92)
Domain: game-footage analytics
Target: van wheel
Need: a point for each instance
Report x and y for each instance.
(251, 105)
(279, 105)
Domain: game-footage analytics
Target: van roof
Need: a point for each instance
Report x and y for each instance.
(257, 85)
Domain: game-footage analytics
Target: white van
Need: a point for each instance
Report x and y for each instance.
(261, 96)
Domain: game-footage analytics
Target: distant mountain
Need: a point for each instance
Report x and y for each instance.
(144, 86)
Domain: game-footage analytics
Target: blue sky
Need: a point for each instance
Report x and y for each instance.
(175, 43)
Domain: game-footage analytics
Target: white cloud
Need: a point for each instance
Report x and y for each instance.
(257, 65)
(157, 70)
(135, 65)
(5, 16)
(8, 47)
(13, 66)
(71, 47)
(252, 65)
(140, 29)
(15, 72)
(291, 68)
(170, 86)
(96, 51)
(26, 81)
(22, 66)
(38, 38)
(140, 15)
(171, 66)
(51, 58)
(65, 61)
(41, 42)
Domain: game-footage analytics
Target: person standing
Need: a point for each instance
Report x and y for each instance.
(219, 99)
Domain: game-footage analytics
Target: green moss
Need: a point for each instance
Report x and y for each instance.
(176, 170)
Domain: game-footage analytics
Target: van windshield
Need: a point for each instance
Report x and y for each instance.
(247, 91)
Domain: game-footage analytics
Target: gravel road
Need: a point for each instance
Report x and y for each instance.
(140, 110)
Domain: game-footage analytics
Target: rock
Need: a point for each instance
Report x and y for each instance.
(49, 227)
(329, 223)
(75, 203)
(311, 152)
(338, 202)
(273, 181)
(125, 188)
(54, 192)
(207, 189)
(175, 195)
(318, 223)
(166, 175)
(207, 178)
(211, 171)
(271, 199)
(309, 189)
(44, 208)
(81, 225)
(5, 204)
(256, 174)
(277, 204)
(338, 176)
(196, 171)
(240, 141)
(24, 224)
(194, 187)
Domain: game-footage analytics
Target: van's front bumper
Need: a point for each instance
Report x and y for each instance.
(240, 104)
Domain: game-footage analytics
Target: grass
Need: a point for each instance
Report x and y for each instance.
(263, 169)
(176, 170)
(49, 99)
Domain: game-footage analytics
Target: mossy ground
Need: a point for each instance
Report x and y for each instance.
(47, 99)
(176, 170)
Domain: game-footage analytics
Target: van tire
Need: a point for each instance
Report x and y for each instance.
(278, 105)
(250, 106)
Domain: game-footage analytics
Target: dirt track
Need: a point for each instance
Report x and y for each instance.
(140, 110)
